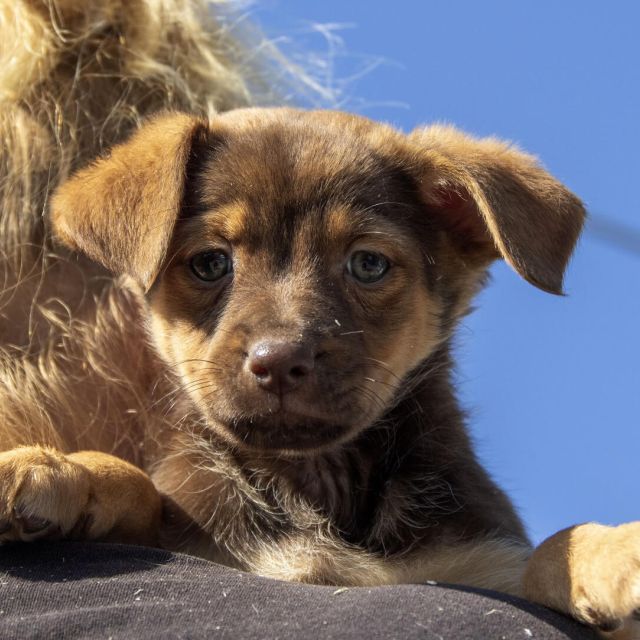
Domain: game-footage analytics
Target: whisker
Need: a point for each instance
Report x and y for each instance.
(387, 384)
(370, 395)
(188, 360)
(385, 367)
(384, 204)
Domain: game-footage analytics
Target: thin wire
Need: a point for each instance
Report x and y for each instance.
(612, 232)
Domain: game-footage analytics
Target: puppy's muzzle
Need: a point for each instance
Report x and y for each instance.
(279, 366)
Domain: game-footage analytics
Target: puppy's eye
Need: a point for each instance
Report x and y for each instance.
(210, 265)
(367, 266)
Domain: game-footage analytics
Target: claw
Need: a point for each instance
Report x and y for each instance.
(613, 624)
(29, 522)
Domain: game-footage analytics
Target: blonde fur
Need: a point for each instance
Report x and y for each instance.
(77, 77)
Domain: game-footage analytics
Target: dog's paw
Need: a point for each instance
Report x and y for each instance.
(605, 575)
(42, 494)
(591, 572)
(85, 495)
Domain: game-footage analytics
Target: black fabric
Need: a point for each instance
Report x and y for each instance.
(80, 590)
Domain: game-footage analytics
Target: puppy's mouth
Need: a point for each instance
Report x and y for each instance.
(308, 420)
(284, 431)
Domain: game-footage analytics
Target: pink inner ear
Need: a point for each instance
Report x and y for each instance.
(458, 214)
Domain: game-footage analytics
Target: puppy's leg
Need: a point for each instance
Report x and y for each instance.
(86, 495)
(591, 572)
(486, 563)
(321, 559)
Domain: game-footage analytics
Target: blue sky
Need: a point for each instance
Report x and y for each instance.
(552, 384)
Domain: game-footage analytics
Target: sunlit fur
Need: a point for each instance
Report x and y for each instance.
(76, 77)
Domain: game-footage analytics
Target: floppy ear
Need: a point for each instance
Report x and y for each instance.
(496, 199)
(122, 209)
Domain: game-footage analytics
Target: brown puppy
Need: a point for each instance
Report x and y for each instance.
(299, 276)
(285, 379)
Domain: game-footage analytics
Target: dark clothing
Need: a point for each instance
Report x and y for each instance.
(82, 590)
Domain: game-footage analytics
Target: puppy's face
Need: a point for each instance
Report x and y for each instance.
(296, 299)
(301, 266)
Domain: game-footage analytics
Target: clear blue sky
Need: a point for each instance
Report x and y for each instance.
(552, 384)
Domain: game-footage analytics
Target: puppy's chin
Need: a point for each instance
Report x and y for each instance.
(283, 434)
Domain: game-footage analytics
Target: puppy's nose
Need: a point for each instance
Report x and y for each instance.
(280, 366)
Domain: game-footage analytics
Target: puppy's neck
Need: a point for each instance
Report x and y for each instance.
(411, 478)
(414, 440)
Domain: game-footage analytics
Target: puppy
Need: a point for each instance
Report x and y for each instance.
(268, 382)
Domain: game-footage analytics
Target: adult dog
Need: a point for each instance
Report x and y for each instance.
(266, 382)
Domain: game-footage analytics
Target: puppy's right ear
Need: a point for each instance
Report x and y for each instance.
(121, 211)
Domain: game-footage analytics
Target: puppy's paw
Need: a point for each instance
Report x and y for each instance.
(591, 572)
(42, 494)
(85, 495)
(605, 575)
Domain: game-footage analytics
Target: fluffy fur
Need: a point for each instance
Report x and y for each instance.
(77, 77)
(359, 472)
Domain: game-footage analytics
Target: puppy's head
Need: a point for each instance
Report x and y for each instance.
(299, 266)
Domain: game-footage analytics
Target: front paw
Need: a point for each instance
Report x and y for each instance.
(591, 572)
(86, 495)
(606, 574)
(42, 495)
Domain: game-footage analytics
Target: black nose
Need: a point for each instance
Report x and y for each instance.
(280, 366)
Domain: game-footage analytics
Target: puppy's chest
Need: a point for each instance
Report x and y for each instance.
(336, 486)
(331, 484)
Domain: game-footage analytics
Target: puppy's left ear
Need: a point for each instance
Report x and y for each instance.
(498, 202)
(121, 210)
